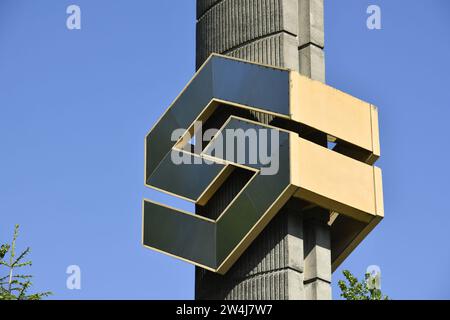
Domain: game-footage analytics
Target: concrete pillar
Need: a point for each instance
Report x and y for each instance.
(263, 31)
(317, 240)
(291, 258)
(311, 39)
(317, 254)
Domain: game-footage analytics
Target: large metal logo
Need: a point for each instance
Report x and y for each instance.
(276, 105)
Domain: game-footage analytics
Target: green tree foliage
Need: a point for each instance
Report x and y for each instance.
(352, 289)
(15, 286)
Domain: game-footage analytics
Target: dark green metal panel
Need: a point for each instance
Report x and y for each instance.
(157, 148)
(179, 234)
(191, 237)
(185, 180)
(187, 107)
(225, 79)
(251, 85)
(249, 207)
(235, 223)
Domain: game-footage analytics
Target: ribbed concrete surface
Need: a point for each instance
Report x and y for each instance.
(268, 50)
(228, 25)
(278, 50)
(267, 32)
(205, 5)
(266, 270)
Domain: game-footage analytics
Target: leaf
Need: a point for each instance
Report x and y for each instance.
(4, 250)
(22, 255)
(20, 283)
(356, 290)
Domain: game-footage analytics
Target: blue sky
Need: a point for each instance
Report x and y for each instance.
(75, 107)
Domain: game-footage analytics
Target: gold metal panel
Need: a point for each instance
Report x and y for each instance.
(335, 181)
(350, 188)
(379, 192)
(334, 112)
(375, 134)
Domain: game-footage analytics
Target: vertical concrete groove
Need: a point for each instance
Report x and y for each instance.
(261, 273)
(230, 23)
(272, 47)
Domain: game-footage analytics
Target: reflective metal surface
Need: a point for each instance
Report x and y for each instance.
(341, 180)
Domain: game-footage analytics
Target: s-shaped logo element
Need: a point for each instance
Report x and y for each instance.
(230, 94)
